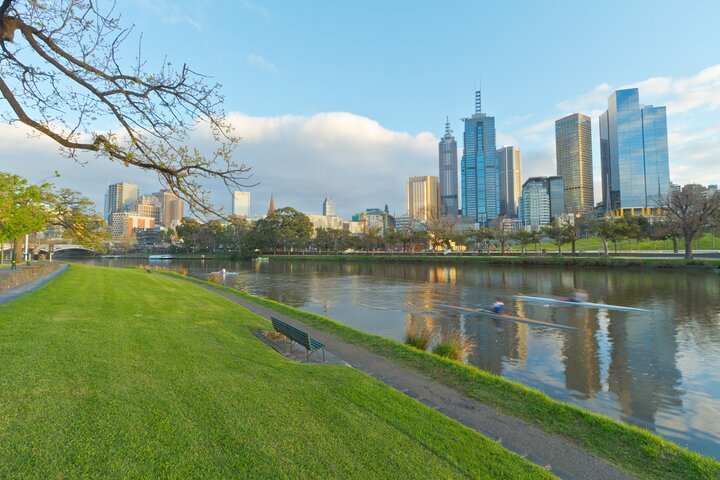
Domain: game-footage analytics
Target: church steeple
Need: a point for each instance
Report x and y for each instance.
(271, 210)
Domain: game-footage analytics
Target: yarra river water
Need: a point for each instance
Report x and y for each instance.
(659, 370)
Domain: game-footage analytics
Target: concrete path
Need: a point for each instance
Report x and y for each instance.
(554, 453)
(13, 293)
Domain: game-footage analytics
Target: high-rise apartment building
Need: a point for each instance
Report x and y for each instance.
(423, 198)
(573, 152)
(542, 200)
(147, 206)
(479, 167)
(633, 153)
(171, 208)
(119, 198)
(329, 209)
(509, 173)
(448, 174)
(241, 204)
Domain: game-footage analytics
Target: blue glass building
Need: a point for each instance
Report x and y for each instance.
(633, 153)
(479, 167)
(448, 174)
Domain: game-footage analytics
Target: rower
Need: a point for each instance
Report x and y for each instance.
(498, 306)
(579, 295)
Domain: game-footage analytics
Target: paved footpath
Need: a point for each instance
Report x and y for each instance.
(13, 293)
(552, 452)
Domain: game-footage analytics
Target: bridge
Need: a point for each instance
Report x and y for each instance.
(66, 250)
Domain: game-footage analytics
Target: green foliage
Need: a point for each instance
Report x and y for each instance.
(284, 228)
(23, 207)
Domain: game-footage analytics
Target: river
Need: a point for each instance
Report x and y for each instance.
(659, 370)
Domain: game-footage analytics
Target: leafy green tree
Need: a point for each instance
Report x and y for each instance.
(189, 232)
(482, 237)
(500, 232)
(77, 217)
(63, 74)
(23, 209)
(557, 233)
(609, 230)
(286, 228)
(523, 238)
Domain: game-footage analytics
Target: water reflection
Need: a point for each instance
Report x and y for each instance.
(659, 370)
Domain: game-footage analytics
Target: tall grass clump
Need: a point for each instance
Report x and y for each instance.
(454, 344)
(419, 332)
(215, 278)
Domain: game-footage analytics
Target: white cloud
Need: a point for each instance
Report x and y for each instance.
(353, 159)
(260, 62)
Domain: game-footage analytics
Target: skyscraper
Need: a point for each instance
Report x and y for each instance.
(329, 207)
(633, 153)
(119, 198)
(423, 198)
(171, 208)
(448, 174)
(479, 167)
(542, 200)
(241, 204)
(509, 173)
(573, 151)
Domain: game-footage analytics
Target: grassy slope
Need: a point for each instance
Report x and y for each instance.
(116, 373)
(632, 449)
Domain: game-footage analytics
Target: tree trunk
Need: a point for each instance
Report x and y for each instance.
(688, 248)
(2, 253)
(573, 247)
(18, 249)
(675, 245)
(605, 247)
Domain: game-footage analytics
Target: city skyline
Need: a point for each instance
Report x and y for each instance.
(321, 97)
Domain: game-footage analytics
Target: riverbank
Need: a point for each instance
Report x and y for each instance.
(519, 260)
(635, 450)
(120, 373)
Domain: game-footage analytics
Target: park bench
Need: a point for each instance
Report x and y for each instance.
(295, 335)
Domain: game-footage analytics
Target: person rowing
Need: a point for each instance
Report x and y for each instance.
(498, 307)
(579, 296)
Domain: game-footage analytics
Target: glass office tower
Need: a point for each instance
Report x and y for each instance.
(573, 150)
(479, 167)
(448, 174)
(633, 153)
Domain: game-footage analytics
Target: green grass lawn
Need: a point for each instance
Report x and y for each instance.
(632, 449)
(111, 373)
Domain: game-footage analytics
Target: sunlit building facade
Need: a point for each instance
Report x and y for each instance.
(241, 204)
(633, 153)
(573, 150)
(509, 173)
(423, 198)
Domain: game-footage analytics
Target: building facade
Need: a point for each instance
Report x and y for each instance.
(510, 186)
(633, 153)
(329, 209)
(146, 206)
(573, 151)
(124, 224)
(241, 204)
(423, 198)
(120, 197)
(479, 167)
(542, 200)
(171, 208)
(447, 150)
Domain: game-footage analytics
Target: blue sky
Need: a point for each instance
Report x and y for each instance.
(348, 99)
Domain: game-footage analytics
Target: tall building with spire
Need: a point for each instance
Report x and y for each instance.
(510, 173)
(479, 167)
(271, 208)
(448, 174)
(329, 209)
(573, 151)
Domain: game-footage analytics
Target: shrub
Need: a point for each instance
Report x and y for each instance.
(419, 333)
(455, 345)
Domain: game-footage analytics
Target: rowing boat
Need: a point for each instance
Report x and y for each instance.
(510, 318)
(580, 304)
